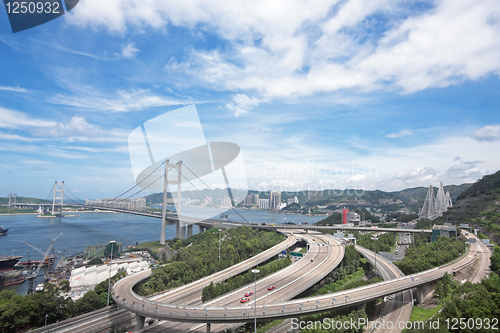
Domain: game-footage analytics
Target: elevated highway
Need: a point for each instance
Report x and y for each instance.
(209, 223)
(126, 298)
(289, 282)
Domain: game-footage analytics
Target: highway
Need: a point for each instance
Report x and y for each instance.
(124, 296)
(288, 283)
(483, 254)
(187, 292)
(397, 307)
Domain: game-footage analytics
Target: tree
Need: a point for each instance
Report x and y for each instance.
(64, 285)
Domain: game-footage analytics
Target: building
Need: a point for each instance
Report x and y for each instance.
(208, 201)
(292, 200)
(446, 230)
(256, 199)
(226, 202)
(248, 201)
(353, 217)
(274, 199)
(264, 203)
(344, 215)
(281, 205)
(129, 204)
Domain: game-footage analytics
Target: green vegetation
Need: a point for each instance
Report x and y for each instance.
(421, 256)
(14, 210)
(95, 261)
(20, 313)
(238, 281)
(336, 218)
(153, 248)
(401, 217)
(382, 244)
(472, 302)
(478, 206)
(5, 200)
(197, 256)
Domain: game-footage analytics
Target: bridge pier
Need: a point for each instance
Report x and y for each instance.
(201, 229)
(420, 294)
(180, 231)
(189, 230)
(140, 322)
(208, 327)
(362, 307)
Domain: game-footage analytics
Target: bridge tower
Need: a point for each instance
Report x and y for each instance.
(180, 230)
(10, 199)
(58, 188)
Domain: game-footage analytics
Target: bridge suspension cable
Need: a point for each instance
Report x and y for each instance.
(234, 210)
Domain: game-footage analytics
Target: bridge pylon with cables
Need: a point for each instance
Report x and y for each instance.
(58, 189)
(180, 231)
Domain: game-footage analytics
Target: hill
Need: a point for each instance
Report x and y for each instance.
(479, 205)
(332, 199)
(25, 200)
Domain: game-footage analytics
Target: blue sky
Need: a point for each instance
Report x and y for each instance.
(372, 94)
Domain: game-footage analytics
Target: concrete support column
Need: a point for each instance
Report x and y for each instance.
(180, 231)
(201, 229)
(208, 327)
(420, 294)
(396, 235)
(189, 230)
(140, 322)
(362, 307)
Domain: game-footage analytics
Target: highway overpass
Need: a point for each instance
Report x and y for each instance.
(126, 298)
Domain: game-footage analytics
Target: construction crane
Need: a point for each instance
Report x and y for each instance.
(32, 276)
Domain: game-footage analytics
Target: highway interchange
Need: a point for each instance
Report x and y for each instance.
(228, 309)
(181, 309)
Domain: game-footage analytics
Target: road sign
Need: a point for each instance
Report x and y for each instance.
(485, 241)
(296, 254)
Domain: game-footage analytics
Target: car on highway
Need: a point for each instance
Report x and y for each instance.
(250, 293)
(245, 299)
(271, 287)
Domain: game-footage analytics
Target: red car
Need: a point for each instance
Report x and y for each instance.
(250, 293)
(271, 287)
(243, 300)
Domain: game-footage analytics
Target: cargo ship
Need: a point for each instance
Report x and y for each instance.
(8, 262)
(9, 276)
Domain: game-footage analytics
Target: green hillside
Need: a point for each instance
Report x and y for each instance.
(479, 205)
(24, 200)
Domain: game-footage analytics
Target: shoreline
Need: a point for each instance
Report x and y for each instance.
(69, 211)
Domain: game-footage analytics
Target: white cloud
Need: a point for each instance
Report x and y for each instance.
(14, 119)
(129, 51)
(322, 46)
(122, 101)
(241, 104)
(15, 89)
(76, 127)
(487, 133)
(403, 132)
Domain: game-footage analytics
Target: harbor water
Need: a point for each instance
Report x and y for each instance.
(89, 228)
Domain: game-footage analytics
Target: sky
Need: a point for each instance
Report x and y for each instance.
(369, 94)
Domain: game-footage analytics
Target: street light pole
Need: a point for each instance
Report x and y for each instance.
(255, 271)
(374, 239)
(112, 243)
(219, 243)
